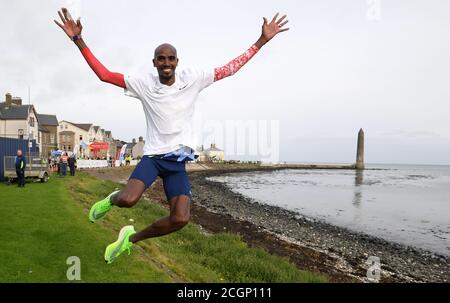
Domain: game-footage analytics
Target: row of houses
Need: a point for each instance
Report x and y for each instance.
(76, 137)
(24, 122)
(213, 153)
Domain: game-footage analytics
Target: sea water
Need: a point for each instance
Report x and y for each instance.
(407, 204)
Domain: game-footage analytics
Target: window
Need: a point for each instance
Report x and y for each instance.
(61, 127)
(66, 126)
(69, 148)
(31, 121)
(64, 147)
(52, 138)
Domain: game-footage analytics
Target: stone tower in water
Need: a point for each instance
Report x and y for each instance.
(360, 150)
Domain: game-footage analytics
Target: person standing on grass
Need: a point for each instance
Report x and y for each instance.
(20, 164)
(168, 101)
(63, 164)
(72, 162)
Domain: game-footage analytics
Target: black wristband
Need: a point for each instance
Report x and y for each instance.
(76, 37)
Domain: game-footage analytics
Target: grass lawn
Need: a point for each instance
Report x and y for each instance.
(44, 224)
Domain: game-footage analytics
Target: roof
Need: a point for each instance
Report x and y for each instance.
(50, 120)
(43, 129)
(15, 112)
(108, 132)
(96, 128)
(85, 126)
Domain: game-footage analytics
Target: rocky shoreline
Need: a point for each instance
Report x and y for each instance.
(337, 251)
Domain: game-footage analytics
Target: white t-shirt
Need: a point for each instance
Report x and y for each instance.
(169, 110)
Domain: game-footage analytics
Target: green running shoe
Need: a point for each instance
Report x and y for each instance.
(122, 244)
(99, 209)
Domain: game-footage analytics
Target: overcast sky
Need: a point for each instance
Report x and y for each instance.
(378, 65)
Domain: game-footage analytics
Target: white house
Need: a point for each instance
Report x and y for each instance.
(211, 154)
(137, 151)
(71, 135)
(17, 120)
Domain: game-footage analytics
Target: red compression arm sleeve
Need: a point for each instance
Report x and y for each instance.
(102, 72)
(233, 66)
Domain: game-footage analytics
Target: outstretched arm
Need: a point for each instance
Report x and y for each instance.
(269, 30)
(73, 30)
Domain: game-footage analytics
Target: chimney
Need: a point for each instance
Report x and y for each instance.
(141, 139)
(8, 100)
(17, 101)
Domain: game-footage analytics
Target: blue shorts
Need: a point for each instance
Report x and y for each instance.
(175, 179)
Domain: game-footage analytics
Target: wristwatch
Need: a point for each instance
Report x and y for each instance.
(76, 37)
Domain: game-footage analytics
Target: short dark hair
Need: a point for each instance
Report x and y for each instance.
(163, 46)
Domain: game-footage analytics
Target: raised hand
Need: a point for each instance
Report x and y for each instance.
(69, 26)
(270, 30)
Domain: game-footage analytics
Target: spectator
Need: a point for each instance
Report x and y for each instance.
(63, 165)
(72, 164)
(20, 164)
(128, 159)
(58, 164)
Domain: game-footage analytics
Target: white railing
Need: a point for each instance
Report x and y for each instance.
(83, 164)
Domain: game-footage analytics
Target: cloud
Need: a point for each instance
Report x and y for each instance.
(331, 74)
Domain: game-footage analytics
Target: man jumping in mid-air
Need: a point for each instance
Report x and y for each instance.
(168, 100)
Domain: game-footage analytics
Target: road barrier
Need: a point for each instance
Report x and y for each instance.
(86, 164)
